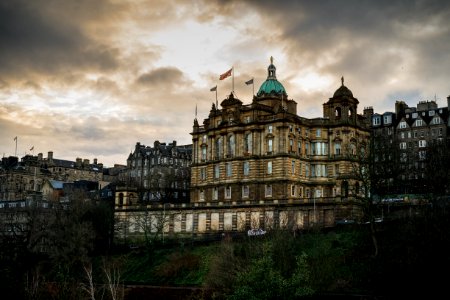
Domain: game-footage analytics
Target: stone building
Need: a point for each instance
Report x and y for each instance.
(160, 173)
(414, 132)
(265, 151)
(20, 179)
(261, 165)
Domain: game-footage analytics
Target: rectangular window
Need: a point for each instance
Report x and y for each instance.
(336, 169)
(215, 195)
(245, 191)
(318, 132)
(269, 145)
(203, 153)
(246, 168)
(216, 171)
(203, 173)
(293, 167)
(422, 143)
(270, 129)
(293, 190)
(268, 190)
(202, 195)
(229, 169)
(376, 121)
(228, 192)
(402, 125)
(269, 167)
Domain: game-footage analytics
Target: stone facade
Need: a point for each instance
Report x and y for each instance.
(160, 173)
(260, 165)
(21, 179)
(412, 131)
(265, 151)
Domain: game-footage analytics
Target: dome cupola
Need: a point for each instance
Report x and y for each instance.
(271, 87)
(343, 91)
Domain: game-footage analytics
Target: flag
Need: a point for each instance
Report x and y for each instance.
(249, 82)
(213, 89)
(226, 74)
(15, 138)
(31, 149)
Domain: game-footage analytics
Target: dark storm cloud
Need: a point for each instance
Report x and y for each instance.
(312, 27)
(43, 36)
(161, 76)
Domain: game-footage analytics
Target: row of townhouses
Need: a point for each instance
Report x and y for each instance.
(252, 165)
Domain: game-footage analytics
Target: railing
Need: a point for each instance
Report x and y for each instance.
(242, 203)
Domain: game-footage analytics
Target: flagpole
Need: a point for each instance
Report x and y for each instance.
(15, 153)
(217, 104)
(253, 86)
(232, 86)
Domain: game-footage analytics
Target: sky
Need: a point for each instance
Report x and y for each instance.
(89, 79)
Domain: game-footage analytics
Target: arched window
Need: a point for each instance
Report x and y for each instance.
(337, 112)
(231, 145)
(350, 112)
(121, 199)
(248, 144)
(219, 149)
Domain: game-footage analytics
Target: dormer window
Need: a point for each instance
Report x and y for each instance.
(387, 119)
(418, 122)
(376, 121)
(402, 125)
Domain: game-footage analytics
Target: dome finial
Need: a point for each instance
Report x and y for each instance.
(342, 80)
(271, 60)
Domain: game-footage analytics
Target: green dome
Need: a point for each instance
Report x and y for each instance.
(271, 86)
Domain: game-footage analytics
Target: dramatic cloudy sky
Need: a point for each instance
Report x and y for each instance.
(89, 79)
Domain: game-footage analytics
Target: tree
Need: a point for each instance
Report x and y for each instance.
(437, 167)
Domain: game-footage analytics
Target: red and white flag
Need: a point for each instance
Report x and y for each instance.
(226, 74)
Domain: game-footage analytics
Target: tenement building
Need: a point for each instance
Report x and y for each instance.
(160, 173)
(414, 143)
